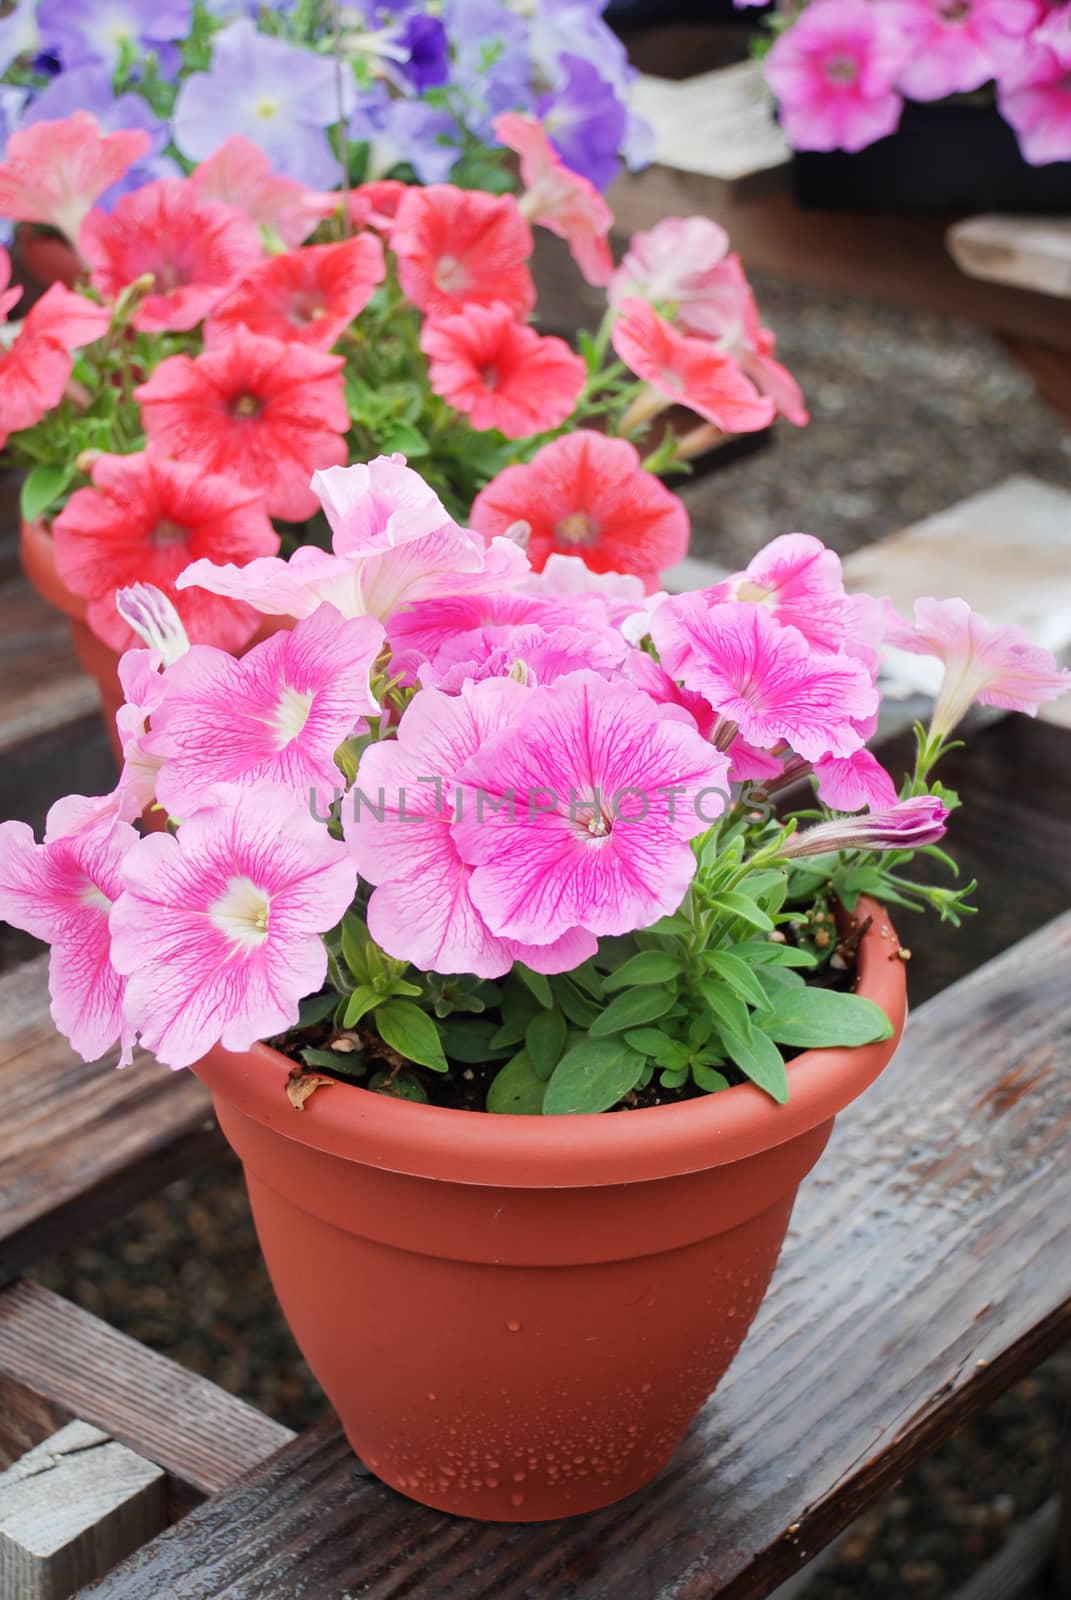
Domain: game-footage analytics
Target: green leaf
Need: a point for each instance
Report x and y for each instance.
(314, 1008)
(675, 1079)
(43, 484)
(579, 1010)
(403, 1086)
(544, 1042)
(742, 906)
(411, 1032)
(650, 966)
(517, 1088)
(351, 1065)
(535, 983)
(760, 1060)
(360, 1002)
(765, 952)
(594, 1075)
(468, 1040)
(737, 974)
(632, 1009)
(707, 1078)
(653, 1042)
(729, 1010)
(811, 1018)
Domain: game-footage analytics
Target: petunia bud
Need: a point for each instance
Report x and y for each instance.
(153, 618)
(908, 825)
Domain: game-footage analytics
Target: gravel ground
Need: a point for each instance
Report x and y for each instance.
(910, 414)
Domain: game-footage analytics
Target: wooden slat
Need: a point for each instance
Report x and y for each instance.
(718, 125)
(77, 1366)
(79, 1144)
(44, 687)
(1028, 252)
(925, 1271)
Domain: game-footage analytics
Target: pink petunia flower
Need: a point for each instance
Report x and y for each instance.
(375, 204)
(681, 266)
(798, 580)
(834, 73)
(54, 171)
(688, 371)
(906, 825)
(587, 494)
(958, 45)
(1034, 96)
(144, 687)
(61, 891)
(984, 665)
(144, 520)
(848, 783)
(398, 823)
(35, 368)
(579, 814)
(394, 544)
(462, 247)
(529, 653)
(193, 248)
(623, 595)
(276, 715)
(1054, 32)
(762, 677)
(240, 175)
(557, 198)
(264, 412)
(8, 297)
(500, 373)
(308, 296)
(218, 929)
(419, 632)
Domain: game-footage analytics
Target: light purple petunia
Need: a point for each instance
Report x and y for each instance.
(96, 30)
(281, 97)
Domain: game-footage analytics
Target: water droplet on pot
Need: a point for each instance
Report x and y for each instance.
(432, 1395)
(516, 1499)
(513, 1325)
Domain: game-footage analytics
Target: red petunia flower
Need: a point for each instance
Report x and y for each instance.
(194, 248)
(687, 371)
(35, 369)
(266, 413)
(462, 247)
(240, 175)
(53, 171)
(306, 296)
(501, 373)
(558, 198)
(586, 495)
(375, 204)
(145, 520)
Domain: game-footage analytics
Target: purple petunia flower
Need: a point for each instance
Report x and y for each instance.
(492, 61)
(279, 96)
(406, 131)
(90, 89)
(586, 121)
(88, 31)
(19, 34)
(427, 65)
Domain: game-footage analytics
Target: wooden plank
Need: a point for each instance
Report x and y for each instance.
(718, 125)
(925, 1271)
(77, 1366)
(1028, 252)
(71, 1509)
(1049, 370)
(1020, 1561)
(900, 260)
(79, 1144)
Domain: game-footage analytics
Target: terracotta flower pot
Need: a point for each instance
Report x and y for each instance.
(517, 1318)
(45, 258)
(97, 658)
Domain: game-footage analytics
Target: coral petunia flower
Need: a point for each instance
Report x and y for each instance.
(688, 371)
(219, 926)
(586, 495)
(375, 204)
(681, 266)
(266, 413)
(35, 368)
(194, 249)
(398, 824)
(307, 296)
(500, 373)
(240, 175)
(462, 247)
(579, 814)
(275, 715)
(557, 198)
(143, 521)
(54, 171)
(61, 891)
(762, 676)
(993, 666)
(394, 545)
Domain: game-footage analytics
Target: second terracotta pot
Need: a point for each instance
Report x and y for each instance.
(517, 1318)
